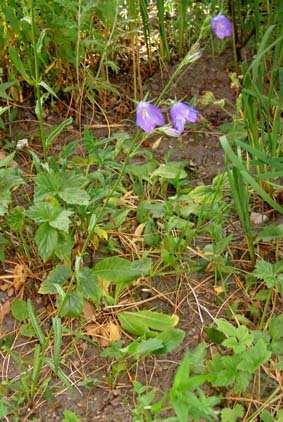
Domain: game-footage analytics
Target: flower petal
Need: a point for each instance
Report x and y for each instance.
(221, 26)
(148, 116)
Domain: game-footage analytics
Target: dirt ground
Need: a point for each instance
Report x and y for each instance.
(100, 401)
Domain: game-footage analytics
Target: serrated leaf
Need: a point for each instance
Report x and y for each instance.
(43, 212)
(171, 171)
(170, 339)
(62, 221)
(74, 196)
(46, 238)
(72, 305)
(255, 357)
(87, 284)
(232, 415)
(59, 275)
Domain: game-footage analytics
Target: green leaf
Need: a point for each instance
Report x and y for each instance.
(224, 370)
(4, 408)
(46, 238)
(27, 330)
(72, 305)
(142, 322)
(58, 129)
(171, 171)
(62, 221)
(119, 270)
(64, 247)
(265, 271)
(16, 219)
(226, 328)
(19, 309)
(170, 339)
(59, 275)
(50, 90)
(141, 171)
(270, 232)
(139, 348)
(70, 416)
(255, 357)
(74, 196)
(232, 415)
(43, 212)
(214, 335)
(87, 284)
(17, 62)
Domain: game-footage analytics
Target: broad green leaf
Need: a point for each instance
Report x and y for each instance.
(27, 330)
(139, 348)
(59, 275)
(43, 212)
(64, 247)
(72, 305)
(87, 284)
(171, 171)
(142, 322)
(119, 270)
(171, 339)
(270, 232)
(226, 328)
(19, 309)
(141, 171)
(74, 196)
(62, 221)
(46, 238)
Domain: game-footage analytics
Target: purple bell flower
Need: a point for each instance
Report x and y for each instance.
(148, 116)
(221, 26)
(181, 114)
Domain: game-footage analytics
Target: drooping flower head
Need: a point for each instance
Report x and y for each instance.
(181, 114)
(148, 116)
(221, 26)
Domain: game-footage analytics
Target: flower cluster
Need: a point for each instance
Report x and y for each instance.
(148, 116)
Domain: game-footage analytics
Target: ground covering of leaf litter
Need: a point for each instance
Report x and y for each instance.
(100, 400)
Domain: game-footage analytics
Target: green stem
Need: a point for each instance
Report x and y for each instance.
(37, 81)
(261, 325)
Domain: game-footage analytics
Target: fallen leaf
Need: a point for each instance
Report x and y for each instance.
(218, 290)
(114, 332)
(156, 143)
(4, 310)
(104, 334)
(19, 276)
(89, 311)
(139, 230)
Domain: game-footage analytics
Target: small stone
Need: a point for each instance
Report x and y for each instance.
(257, 219)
